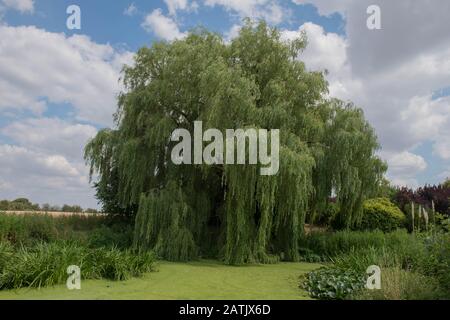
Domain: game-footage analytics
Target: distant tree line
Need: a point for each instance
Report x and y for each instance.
(403, 196)
(23, 204)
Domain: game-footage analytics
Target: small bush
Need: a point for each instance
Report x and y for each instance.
(27, 228)
(326, 217)
(332, 283)
(120, 236)
(436, 262)
(381, 214)
(307, 255)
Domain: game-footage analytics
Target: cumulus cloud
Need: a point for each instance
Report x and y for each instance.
(44, 155)
(390, 73)
(325, 51)
(46, 158)
(50, 135)
(163, 27)
(23, 6)
(181, 5)
(404, 166)
(37, 67)
(41, 177)
(271, 11)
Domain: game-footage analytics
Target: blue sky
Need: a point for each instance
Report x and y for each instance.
(104, 20)
(58, 86)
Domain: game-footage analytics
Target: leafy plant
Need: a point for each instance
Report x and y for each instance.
(118, 235)
(332, 283)
(382, 214)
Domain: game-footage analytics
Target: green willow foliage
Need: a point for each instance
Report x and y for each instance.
(255, 81)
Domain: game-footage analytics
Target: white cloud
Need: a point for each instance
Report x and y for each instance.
(405, 162)
(47, 157)
(180, 5)
(24, 6)
(50, 135)
(390, 73)
(163, 27)
(44, 160)
(426, 118)
(404, 166)
(445, 175)
(271, 11)
(409, 29)
(174, 5)
(131, 10)
(320, 44)
(16, 162)
(36, 65)
(232, 33)
(42, 177)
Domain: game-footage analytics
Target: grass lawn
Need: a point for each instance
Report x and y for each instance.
(197, 280)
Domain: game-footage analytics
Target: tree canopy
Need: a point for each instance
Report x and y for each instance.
(327, 148)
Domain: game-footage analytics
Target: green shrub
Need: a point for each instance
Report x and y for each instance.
(412, 254)
(45, 264)
(358, 260)
(41, 265)
(330, 244)
(6, 251)
(436, 263)
(332, 283)
(121, 265)
(442, 222)
(398, 284)
(307, 255)
(27, 228)
(120, 236)
(408, 262)
(326, 217)
(381, 214)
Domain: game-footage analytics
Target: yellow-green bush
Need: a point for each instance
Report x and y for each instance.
(382, 214)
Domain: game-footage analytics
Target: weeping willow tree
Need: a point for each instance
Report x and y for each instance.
(231, 211)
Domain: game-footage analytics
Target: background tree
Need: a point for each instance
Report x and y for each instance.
(439, 194)
(20, 204)
(74, 208)
(447, 183)
(256, 81)
(4, 205)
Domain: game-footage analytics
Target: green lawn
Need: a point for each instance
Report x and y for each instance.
(196, 280)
